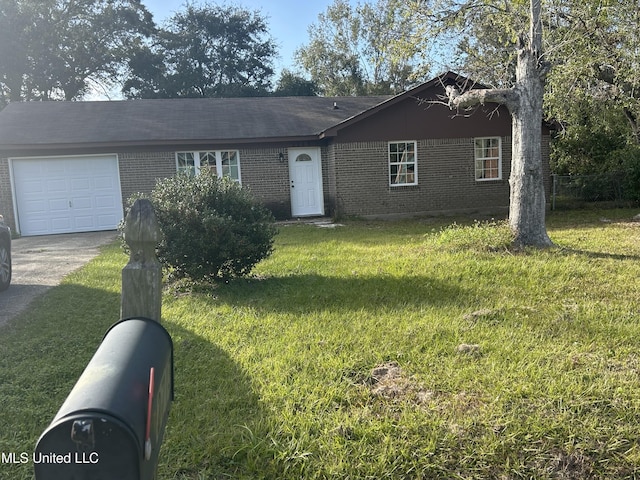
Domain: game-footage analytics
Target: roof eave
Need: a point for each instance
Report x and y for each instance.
(16, 149)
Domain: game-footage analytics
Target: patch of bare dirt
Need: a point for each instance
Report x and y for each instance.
(389, 381)
(473, 350)
(571, 466)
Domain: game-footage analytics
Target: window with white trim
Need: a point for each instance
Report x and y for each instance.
(488, 158)
(403, 163)
(223, 163)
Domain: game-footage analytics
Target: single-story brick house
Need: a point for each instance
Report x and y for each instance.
(69, 166)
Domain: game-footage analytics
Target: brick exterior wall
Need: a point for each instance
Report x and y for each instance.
(6, 199)
(446, 179)
(355, 178)
(267, 177)
(330, 192)
(260, 170)
(139, 172)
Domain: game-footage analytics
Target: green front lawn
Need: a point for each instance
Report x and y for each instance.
(498, 364)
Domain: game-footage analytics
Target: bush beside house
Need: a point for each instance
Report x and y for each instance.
(212, 227)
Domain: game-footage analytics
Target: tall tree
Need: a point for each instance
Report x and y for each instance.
(205, 51)
(60, 49)
(372, 48)
(524, 100)
(291, 85)
(594, 44)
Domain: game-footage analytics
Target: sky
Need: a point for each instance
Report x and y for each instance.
(288, 20)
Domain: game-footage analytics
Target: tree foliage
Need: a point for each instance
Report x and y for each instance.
(291, 85)
(591, 133)
(594, 48)
(60, 49)
(372, 48)
(205, 51)
(594, 91)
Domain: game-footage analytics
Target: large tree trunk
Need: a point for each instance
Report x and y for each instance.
(527, 201)
(633, 124)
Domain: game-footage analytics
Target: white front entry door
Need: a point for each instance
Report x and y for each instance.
(305, 175)
(67, 194)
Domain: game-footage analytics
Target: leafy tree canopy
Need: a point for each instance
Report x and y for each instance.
(60, 49)
(291, 85)
(592, 45)
(204, 51)
(598, 61)
(373, 48)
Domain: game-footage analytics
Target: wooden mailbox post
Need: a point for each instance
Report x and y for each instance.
(142, 276)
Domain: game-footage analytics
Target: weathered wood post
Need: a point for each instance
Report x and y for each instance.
(142, 276)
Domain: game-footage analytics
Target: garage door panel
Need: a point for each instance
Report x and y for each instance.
(45, 165)
(104, 222)
(39, 205)
(56, 205)
(84, 223)
(103, 183)
(40, 225)
(80, 184)
(60, 224)
(82, 203)
(33, 187)
(56, 186)
(104, 201)
(64, 195)
(50, 172)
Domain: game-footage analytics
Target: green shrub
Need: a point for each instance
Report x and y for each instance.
(212, 228)
(627, 160)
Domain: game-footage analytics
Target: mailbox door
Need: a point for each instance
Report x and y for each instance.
(115, 453)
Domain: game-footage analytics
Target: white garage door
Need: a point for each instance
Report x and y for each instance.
(66, 195)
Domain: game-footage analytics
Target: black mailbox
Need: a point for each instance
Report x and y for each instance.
(111, 424)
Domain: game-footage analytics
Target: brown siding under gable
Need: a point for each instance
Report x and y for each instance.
(413, 119)
(445, 144)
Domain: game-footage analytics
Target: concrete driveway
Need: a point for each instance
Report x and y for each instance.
(39, 263)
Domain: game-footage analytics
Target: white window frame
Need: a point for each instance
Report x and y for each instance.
(481, 159)
(220, 167)
(394, 161)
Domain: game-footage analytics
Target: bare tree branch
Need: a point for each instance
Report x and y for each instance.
(471, 98)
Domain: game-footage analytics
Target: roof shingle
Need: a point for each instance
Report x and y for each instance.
(165, 120)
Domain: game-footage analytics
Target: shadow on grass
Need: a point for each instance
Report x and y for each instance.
(599, 255)
(363, 232)
(216, 423)
(215, 419)
(312, 292)
(43, 351)
(590, 218)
